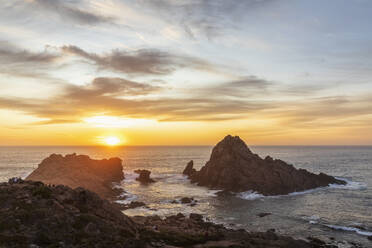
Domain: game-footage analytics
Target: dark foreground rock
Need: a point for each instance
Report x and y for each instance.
(233, 167)
(33, 214)
(80, 171)
(144, 176)
(46, 216)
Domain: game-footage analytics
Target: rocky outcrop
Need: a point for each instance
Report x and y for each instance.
(80, 171)
(144, 176)
(233, 167)
(189, 170)
(33, 214)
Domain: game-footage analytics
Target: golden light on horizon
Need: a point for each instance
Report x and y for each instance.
(104, 121)
(111, 141)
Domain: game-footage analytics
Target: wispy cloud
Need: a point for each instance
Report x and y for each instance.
(204, 18)
(143, 61)
(16, 61)
(131, 99)
(68, 11)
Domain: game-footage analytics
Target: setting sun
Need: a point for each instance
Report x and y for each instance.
(112, 141)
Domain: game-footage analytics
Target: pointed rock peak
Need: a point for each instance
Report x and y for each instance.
(231, 145)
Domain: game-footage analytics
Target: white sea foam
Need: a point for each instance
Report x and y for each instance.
(249, 195)
(350, 185)
(213, 192)
(350, 229)
(172, 178)
(128, 198)
(314, 219)
(130, 177)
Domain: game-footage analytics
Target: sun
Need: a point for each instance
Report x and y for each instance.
(111, 141)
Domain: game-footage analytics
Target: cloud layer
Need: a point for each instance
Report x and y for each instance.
(143, 61)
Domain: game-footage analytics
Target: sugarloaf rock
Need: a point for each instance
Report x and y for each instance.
(233, 167)
(80, 171)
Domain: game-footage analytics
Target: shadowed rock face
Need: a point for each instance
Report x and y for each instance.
(233, 167)
(80, 171)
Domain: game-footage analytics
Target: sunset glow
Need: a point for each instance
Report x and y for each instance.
(116, 122)
(111, 141)
(272, 72)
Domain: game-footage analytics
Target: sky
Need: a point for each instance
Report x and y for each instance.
(185, 72)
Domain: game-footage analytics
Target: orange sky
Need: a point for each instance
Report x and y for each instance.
(272, 72)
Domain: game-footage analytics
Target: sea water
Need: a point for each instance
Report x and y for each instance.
(340, 212)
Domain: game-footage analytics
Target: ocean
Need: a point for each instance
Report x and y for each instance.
(340, 212)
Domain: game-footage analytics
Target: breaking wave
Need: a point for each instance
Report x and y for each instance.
(350, 185)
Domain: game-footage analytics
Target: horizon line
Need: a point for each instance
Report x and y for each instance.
(252, 145)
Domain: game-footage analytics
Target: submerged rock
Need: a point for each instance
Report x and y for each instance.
(33, 214)
(233, 167)
(263, 214)
(80, 171)
(185, 200)
(144, 176)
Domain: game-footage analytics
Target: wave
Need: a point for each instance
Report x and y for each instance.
(213, 192)
(128, 198)
(350, 229)
(130, 177)
(350, 185)
(172, 178)
(250, 195)
(314, 219)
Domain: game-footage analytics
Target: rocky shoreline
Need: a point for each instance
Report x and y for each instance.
(69, 201)
(33, 214)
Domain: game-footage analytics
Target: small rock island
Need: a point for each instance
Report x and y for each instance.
(144, 176)
(233, 167)
(80, 171)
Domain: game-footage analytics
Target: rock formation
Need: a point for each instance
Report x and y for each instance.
(144, 176)
(80, 171)
(233, 167)
(58, 216)
(189, 168)
(33, 214)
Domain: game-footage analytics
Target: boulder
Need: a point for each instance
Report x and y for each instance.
(80, 171)
(144, 176)
(186, 200)
(233, 167)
